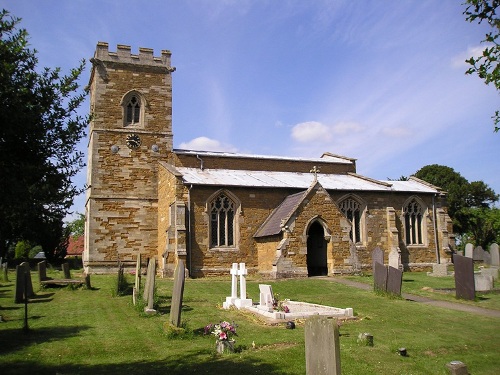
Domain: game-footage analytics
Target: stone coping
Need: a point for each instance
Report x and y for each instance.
(302, 310)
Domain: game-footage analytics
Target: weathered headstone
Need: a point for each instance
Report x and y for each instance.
(469, 248)
(380, 277)
(495, 258)
(483, 283)
(395, 258)
(87, 281)
(20, 280)
(266, 300)
(29, 283)
(42, 270)
(243, 301)
(439, 270)
(151, 271)
(137, 284)
(491, 271)
(377, 257)
(65, 268)
(234, 287)
(322, 346)
(177, 294)
(487, 258)
(478, 253)
(464, 277)
(150, 280)
(5, 272)
(394, 280)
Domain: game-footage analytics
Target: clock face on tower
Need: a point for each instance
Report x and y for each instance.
(133, 141)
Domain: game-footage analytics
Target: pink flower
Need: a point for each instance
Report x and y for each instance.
(223, 336)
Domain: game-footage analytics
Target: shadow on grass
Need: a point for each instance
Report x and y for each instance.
(15, 338)
(203, 362)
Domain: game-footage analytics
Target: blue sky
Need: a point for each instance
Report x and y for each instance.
(380, 81)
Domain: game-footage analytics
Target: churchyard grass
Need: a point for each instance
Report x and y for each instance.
(84, 331)
(439, 288)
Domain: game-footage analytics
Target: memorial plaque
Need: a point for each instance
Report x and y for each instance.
(464, 277)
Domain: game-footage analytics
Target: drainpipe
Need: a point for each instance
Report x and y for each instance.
(189, 230)
(435, 228)
(201, 160)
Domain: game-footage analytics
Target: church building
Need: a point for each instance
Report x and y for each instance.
(281, 216)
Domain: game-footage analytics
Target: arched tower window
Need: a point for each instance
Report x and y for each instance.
(413, 218)
(352, 209)
(222, 221)
(133, 109)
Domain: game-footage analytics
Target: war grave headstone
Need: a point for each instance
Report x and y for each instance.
(177, 294)
(394, 280)
(469, 248)
(377, 257)
(395, 259)
(322, 346)
(379, 277)
(464, 277)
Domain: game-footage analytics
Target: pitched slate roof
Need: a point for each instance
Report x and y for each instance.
(272, 225)
(297, 180)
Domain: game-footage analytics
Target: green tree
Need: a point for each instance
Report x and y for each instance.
(77, 226)
(22, 249)
(39, 133)
(486, 66)
(470, 204)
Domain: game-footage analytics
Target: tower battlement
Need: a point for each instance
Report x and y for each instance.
(124, 55)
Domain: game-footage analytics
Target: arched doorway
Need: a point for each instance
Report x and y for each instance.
(316, 251)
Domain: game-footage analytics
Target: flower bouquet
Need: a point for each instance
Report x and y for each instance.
(224, 333)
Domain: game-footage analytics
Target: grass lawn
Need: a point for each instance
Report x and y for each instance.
(80, 331)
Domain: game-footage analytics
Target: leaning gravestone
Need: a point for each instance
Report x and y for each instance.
(394, 280)
(464, 277)
(322, 346)
(177, 294)
(495, 258)
(380, 277)
(377, 257)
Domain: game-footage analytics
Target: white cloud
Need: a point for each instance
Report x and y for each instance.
(207, 144)
(458, 61)
(396, 132)
(311, 131)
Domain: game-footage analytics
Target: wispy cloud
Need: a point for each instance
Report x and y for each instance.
(207, 144)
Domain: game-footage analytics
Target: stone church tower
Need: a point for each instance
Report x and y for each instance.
(130, 131)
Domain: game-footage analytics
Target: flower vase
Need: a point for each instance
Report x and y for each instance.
(225, 346)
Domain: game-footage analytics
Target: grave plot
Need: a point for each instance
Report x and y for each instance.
(268, 306)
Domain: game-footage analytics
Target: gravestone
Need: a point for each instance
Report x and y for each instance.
(234, 287)
(137, 283)
(5, 272)
(87, 281)
(464, 277)
(491, 271)
(266, 301)
(495, 258)
(457, 368)
(243, 301)
(150, 292)
(177, 294)
(29, 283)
(395, 258)
(42, 271)
(380, 277)
(439, 270)
(394, 280)
(20, 280)
(322, 346)
(377, 257)
(483, 283)
(65, 268)
(150, 274)
(469, 248)
(478, 253)
(487, 258)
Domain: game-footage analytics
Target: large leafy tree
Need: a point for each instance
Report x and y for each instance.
(487, 66)
(470, 204)
(39, 133)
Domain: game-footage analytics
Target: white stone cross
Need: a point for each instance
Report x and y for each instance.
(243, 301)
(234, 281)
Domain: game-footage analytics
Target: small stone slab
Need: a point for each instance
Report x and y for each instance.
(464, 277)
(377, 257)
